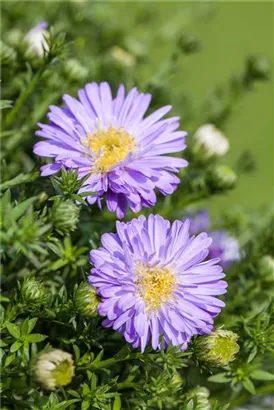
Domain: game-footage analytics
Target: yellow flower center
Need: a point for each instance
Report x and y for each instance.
(155, 285)
(63, 373)
(110, 147)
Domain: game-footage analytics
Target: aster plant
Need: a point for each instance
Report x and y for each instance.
(124, 285)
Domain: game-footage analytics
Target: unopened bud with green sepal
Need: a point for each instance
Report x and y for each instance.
(217, 349)
(200, 398)
(34, 292)
(86, 300)
(221, 178)
(64, 216)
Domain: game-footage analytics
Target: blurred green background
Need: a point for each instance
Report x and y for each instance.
(228, 31)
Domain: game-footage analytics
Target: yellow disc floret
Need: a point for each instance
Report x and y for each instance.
(155, 285)
(110, 146)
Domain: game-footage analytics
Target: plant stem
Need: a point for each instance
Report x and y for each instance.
(19, 179)
(127, 385)
(109, 362)
(23, 97)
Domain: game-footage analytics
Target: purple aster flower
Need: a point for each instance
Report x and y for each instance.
(199, 222)
(109, 139)
(153, 280)
(223, 246)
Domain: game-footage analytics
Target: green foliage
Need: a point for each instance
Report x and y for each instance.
(47, 229)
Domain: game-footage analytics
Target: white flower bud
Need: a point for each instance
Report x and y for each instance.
(123, 57)
(211, 140)
(54, 369)
(36, 40)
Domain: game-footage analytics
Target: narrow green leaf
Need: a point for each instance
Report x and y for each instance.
(32, 323)
(117, 403)
(25, 327)
(219, 378)
(5, 104)
(9, 359)
(261, 375)
(36, 338)
(20, 209)
(74, 393)
(15, 346)
(86, 389)
(249, 386)
(4, 299)
(85, 405)
(13, 330)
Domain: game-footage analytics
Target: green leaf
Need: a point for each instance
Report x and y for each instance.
(86, 389)
(9, 359)
(14, 330)
(36, 338)
(249, 386)
(20, 209)
(5, 104)
(76, 352)
(4, 299)
(79, 199)
(219, 378)
(190, 405)
(15, 346)
(74, 393)
(85, 405)
(117, 403)
(261, 375)
(25, 327)
(64, 404)
(32, 323)
(123, 353)
(20, 179)
(86, 193)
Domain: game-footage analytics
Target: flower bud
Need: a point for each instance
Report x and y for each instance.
(221, 178)
(7, 54)
(188, 44)
(217, 349)
(36, 40)
(266, 266)
(54, 369)
(201, 394)
(33, 292)
(210, 141)
(123, 57)
(75, 71)
(64, 216)
(258, 68)
(86, 301)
